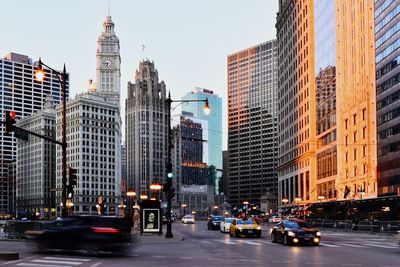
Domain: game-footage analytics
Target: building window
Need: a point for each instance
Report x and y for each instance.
(345, 123)
(346, 139)
(355, 136)
(364, 150)
(364, 112)
(355, 154)
(364, 132)
(354, 119)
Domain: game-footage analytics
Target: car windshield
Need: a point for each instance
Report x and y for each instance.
(218, 218)
(298, 224)
(228, 220)
(250, 221)
(188, 217)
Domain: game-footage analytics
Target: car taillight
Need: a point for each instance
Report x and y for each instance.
(104, 230)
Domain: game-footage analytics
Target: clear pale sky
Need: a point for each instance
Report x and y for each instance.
(188, 40)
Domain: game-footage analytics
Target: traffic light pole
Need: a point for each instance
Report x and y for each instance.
(169, 234)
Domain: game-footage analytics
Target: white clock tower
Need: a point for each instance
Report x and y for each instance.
(108, 62)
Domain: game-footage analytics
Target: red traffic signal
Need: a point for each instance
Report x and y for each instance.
(10, 121)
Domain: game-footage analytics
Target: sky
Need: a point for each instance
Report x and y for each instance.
(188, 40)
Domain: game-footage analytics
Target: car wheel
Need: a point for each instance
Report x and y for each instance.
(273, 238)
(286, 240)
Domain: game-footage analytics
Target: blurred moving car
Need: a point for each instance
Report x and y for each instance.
(295, 231)
(275, 219)
(246, 227)
(93, 233)
(188, 219)
(214, 222)
(226, 224)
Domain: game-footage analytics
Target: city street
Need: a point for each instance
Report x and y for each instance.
(194, 245)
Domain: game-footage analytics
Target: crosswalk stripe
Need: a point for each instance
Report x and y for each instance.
(250, 243)
(228, 242)
(379, 246)
(66, 259)
(329, 245)
(39, 264)
(60, 262)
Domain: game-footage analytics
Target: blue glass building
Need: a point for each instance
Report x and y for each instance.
(214, 119)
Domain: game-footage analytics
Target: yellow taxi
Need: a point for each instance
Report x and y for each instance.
(245, 227)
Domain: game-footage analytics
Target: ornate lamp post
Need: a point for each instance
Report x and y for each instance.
(62, 77)
(168, 184)
(130, 194)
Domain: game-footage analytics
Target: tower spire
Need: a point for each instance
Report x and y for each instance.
(109, 8)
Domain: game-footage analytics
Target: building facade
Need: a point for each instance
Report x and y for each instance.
(19, 92)
(193, 169)
(252, 123)
(94, 150)
(387, 35)
(356, 99)
(146, 129)
(296, 101)
(36, 171)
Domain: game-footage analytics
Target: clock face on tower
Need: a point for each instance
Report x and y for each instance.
(107, 63)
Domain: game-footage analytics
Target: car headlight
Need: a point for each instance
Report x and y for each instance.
(318, 234)
(290, 233)
(240, 228)
(258, 227)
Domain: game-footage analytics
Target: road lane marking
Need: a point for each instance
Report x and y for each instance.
(186, 258)
(247, 260)
(352, 245)
(283, 262)
(315, 263)
(159, 256)
(329, 245)
(269, 243)
(65, 259)
(60, 262)
(96, 264)
(228, 242)
(378, 246)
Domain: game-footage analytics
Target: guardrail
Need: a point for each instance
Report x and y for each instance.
(363, 225)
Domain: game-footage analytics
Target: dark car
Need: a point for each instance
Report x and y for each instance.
(214, 222)
(295, 231)
(92, 233)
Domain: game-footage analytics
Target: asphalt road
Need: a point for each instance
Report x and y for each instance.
(194, 245)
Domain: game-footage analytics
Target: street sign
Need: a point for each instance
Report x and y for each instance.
(55, 189)
(18, 133)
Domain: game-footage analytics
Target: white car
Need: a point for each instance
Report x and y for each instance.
(275, 219)
(225, 225)
(188, 219)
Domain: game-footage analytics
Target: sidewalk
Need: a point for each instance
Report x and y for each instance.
(147, 238)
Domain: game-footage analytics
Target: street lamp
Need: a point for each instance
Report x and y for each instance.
(297, 200)
(184, 208)
(130, 194)
(320, 198)
(285, 201)
(169, 175)
(155, 186)
(62, 77)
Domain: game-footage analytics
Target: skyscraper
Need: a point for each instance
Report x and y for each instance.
(146, 129)
(296, 100)
(21, 93)
(94, 150)
(387, 25)
(252, 120)
(214, 119)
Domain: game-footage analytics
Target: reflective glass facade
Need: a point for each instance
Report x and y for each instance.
(325, 83)
(387, 35)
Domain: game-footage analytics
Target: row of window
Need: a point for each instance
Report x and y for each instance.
(388, 67)
(388, 34)
(389, 50)
(387, 19)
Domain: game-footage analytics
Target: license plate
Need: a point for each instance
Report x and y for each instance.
(307, 238)
(250, 231)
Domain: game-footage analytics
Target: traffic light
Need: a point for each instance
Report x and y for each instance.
(10, 121)
(172, 192)
(169, 173)
(72, 176)
(166, 187)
